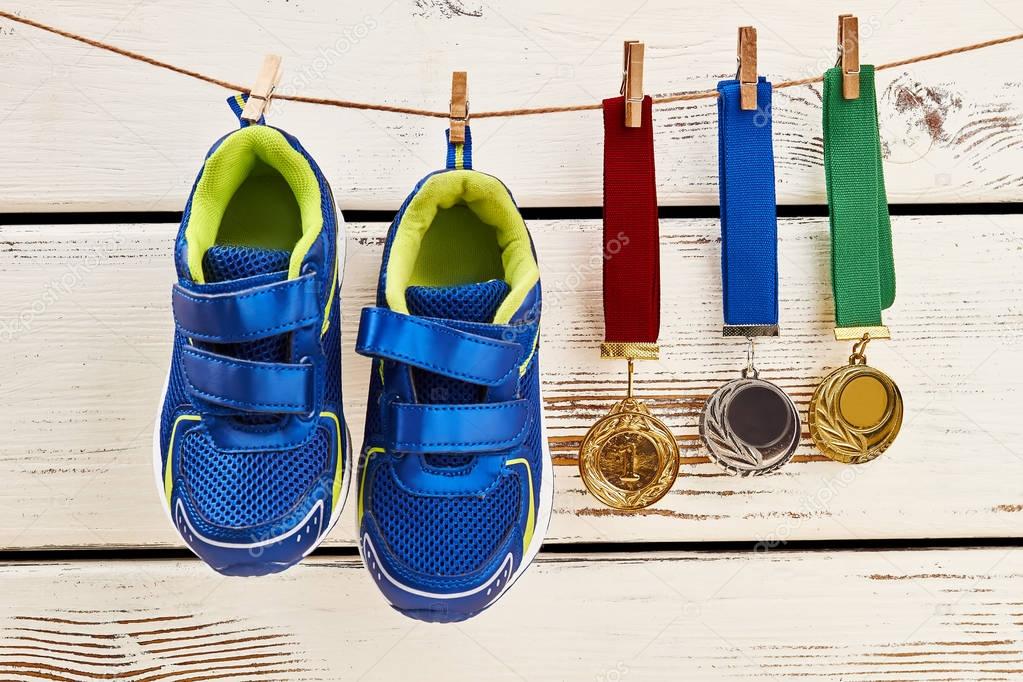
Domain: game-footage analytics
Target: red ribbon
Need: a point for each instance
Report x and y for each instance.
(632, 270)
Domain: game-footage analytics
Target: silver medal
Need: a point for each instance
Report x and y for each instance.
(750, 426)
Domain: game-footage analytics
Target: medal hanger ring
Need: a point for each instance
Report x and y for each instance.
(859, 351)
(750, 369)
(632, 368)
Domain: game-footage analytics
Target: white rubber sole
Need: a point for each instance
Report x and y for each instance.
(545, 508)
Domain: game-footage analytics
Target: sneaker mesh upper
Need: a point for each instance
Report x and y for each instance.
(224, 262)
(443, 536)
(447, 536)
(468, 302)
(235, 490)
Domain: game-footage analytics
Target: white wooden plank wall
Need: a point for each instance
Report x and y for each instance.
(127, 136)
(856, 616)
(85, 328)
(84, 376)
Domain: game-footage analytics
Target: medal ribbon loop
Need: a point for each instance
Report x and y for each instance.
(749, 214)
(631, 246)
(862, 265)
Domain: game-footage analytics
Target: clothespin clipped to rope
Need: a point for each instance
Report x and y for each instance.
(632, 83)
(459, 106)
(746, 74)
(261, 93)
(849, 55)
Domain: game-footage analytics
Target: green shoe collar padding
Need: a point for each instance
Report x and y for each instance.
(231, 165)
(463, 256)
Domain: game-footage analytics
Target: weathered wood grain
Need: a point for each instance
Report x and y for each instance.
(857, 616)
(85, 329)
(85, 130)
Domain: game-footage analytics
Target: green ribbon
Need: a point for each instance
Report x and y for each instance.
(862, 267)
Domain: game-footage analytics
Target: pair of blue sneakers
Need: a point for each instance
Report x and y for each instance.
(251, 452)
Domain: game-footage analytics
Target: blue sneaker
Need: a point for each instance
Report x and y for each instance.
(455, 478)
(251, 452)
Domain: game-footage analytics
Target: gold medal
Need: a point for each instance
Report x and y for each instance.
(856, 412)
(629, 459)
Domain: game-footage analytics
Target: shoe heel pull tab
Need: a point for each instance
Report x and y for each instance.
(460, 153)
(458, 135)
(237, 104)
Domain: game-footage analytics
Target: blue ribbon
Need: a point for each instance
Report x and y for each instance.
(749, 213)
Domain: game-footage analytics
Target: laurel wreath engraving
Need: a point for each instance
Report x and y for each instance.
(729, 451)
(836, 438)
(842, 440)
(726, 438)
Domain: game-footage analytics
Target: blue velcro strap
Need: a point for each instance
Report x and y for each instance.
(459, 154)
(435, 347)
(249, 386)
(256, 313)
(749, 214)
(237, 104)
(472, 428)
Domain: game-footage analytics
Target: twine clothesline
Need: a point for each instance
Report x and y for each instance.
(501, 113)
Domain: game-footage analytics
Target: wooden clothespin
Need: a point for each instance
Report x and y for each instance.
(746, 55)
(849, 55)
(459, 106)
(632, 83)
(263, 90)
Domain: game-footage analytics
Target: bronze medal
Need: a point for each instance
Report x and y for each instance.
(856, 411)
(629, 459)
